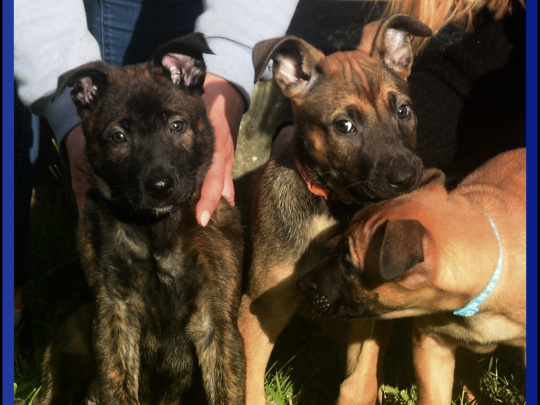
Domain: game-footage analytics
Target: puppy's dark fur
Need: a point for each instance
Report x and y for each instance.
(354, 137)
(166, 289)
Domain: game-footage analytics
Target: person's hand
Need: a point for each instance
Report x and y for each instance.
(75, 144)
(225, 107)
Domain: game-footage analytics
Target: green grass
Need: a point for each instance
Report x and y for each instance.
(28, 399)
(502, 378)
(303, 370)
(279, 386)
(502, 388)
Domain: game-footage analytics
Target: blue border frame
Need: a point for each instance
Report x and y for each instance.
(7, 204)
(532, 202)
(8, 187)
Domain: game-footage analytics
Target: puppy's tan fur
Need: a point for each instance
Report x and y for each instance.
(354, 134)
(456, 252)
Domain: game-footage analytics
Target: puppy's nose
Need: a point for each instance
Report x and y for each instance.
(159, 187)
(402, 177)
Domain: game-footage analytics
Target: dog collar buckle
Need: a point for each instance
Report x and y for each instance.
(472, 307)
(312, 186)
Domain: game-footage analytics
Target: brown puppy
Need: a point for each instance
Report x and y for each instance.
(456, 261)
(166, 290)
(353, 142)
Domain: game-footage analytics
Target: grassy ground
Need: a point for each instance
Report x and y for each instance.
(303, 369)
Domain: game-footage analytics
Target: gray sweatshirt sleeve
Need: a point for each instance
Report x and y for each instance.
(233, 27)
(50, 38)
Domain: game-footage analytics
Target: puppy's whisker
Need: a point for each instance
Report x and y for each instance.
(357, 183)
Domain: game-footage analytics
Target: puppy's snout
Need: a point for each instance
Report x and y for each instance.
(306, 286)
(403, 177)
(316, 300)
(159, 187)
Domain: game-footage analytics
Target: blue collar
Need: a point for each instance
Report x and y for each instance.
(472, 307)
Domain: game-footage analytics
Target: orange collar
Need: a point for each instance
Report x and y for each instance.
(312, 186)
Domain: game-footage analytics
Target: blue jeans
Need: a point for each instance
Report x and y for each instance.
(129, 31)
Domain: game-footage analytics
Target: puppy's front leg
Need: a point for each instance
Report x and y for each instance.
(261, 320)
(116, 341)
(219, 347)
(434, 363)
(366, 346)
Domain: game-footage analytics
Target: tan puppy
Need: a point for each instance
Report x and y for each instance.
(455, 260)
(353, 142)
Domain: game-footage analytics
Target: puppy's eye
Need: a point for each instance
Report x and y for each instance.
(176, 126)
(118, 137)
(346, 263)
(344, 126)
(403, 111)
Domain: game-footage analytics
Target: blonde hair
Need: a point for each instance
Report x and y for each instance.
(438, 13)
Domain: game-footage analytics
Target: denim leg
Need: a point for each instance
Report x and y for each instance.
(129, 31)
(26, 145)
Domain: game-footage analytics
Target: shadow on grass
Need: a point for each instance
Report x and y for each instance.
(55, 282)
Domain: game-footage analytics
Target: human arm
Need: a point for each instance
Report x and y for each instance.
(50, 37)
(232, 29)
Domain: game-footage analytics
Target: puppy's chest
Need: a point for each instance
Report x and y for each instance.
(155, 266)
(159, 250)
(483, 331)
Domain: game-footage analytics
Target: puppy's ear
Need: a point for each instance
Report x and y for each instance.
(389, 40)
(295, 63)
(182, 59)
(433, 177)
(88, 82)
(395, 247)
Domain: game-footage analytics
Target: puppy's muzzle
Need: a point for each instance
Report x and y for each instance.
(402, 177)
(316, 300)
(394, 175)
(326, 300)
(159, 187)
(162, 191)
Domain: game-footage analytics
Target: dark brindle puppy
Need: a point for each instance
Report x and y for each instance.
(353, 142)
(166, 290)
